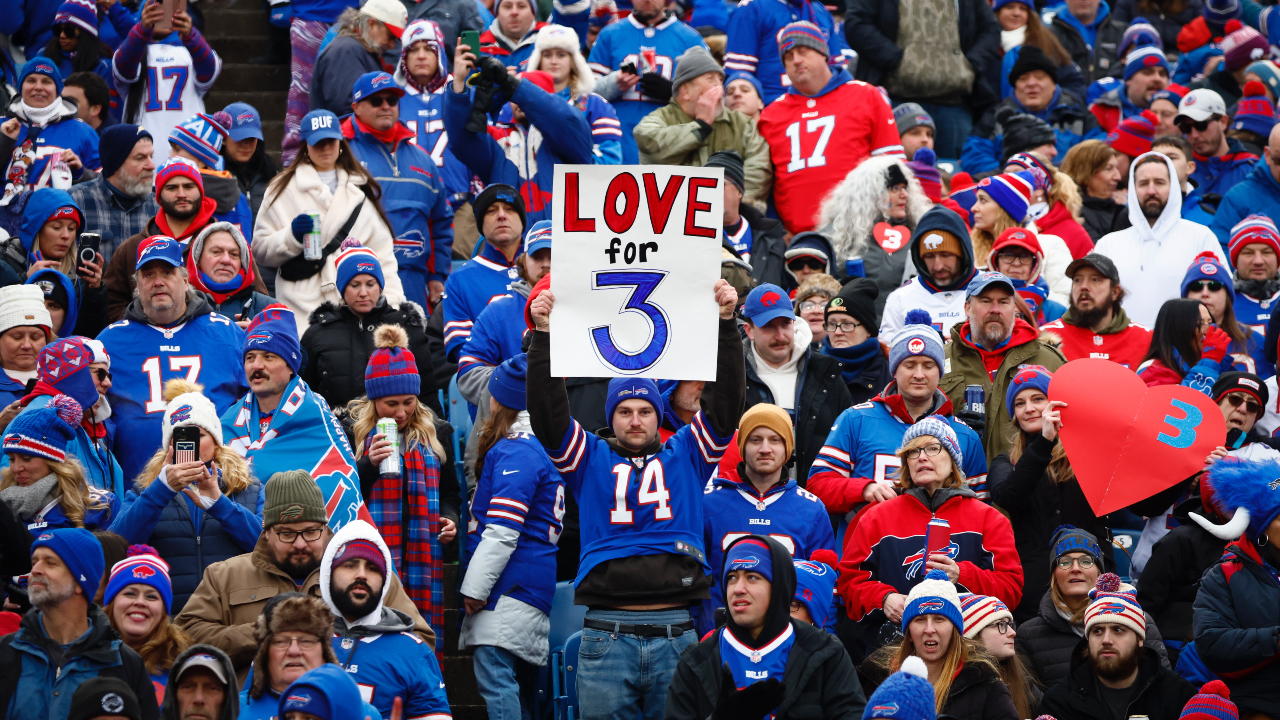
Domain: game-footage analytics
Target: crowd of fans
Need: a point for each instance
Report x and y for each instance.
(227, 468)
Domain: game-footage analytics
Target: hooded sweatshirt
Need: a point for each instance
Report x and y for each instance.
(380, 650)
(944, 303)
(753, 659)
(230, 701)
(19, 253)
(781, 381)
(1153, 258)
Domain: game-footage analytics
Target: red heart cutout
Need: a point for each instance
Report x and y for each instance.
(1127, 442)
(891, 237)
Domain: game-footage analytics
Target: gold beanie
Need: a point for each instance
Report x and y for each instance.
(770, 416)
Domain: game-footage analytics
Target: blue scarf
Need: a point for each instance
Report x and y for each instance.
(852, 359)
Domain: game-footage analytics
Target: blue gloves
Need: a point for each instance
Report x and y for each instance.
(301, 226)
(282, 15)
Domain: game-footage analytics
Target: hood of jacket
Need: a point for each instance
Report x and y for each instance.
(231, 700)
(223, 188)
(73, 300)
(67, 111)
(943, 218)
(42, 204)
(939, 496)
(1061, 11)
(1022, 334)
(852, 209)
(197, 305)
(358, 530)
(1171, 213)
(782, 592)
(897, 407)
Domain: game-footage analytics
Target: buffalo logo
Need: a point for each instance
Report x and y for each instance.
(411, 245)
(884, 710)
(1208, 269)
(815, 568)
(180, 415)
(770, 299)
(930, 606)
(1024, 376)
(1017, 235)
(245, 118)
(298, 699)
(915, 561)
(112, 704)
(293, 513)
(144, 571)
(46, 536)
(932, 241)
(1152, 60)
(383, 79)
(322, 121)
(915, 346)
(259, 338)
(744, 563)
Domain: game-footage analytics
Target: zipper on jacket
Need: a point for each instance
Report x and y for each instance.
(391, 158)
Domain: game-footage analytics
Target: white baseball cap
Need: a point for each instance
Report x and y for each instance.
(391, 12)
(1200, 105)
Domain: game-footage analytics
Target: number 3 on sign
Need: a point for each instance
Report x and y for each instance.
(1186, 426)
(642, 283)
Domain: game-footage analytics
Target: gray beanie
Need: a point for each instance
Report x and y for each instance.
(694, 62)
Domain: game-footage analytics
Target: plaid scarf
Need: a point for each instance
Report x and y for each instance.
(415, 550)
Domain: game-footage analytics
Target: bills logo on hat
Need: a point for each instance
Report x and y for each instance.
(291, 513)
(885, 709)
(46, 536)
(112, 703)
(144, 571)
(931, 606)
(1248, 383)
(260, 338)
(932, 241)
(1112, 608)
(745, 563)
(298, 699)
(1150, 60)
(1208, 269)
(364, 268)
(383, 79)
(244, 118)
(817, 568)
(182, 414)
(915, 346)
(770, 299)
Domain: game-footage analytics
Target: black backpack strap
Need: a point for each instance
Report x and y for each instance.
(299, 268)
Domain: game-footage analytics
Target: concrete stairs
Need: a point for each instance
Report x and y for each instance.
(459, 676)
(239, 33)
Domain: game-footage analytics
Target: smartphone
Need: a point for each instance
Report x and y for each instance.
(186, 444)
(629, 67)
(471, 38)
(165, 23)
(89, 244)
(937, 537)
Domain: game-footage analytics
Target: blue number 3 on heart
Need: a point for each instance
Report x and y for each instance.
(1186, 426)
(643, 283)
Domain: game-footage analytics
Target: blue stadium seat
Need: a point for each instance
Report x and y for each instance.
(566, 618)
(567, 699)
(459, 413)
(1124, 542)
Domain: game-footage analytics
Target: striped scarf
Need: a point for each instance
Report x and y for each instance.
(415, 550)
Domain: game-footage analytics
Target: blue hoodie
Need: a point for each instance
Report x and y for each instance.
(73, 298)
(13, 270)
(331, 692)
(1257, 193)
(1088, 32)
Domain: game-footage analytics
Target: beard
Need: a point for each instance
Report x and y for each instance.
(299, 566)
(172, 212)
(1151, 209)
(646, 17)
(137, 185)
(349, 606)
(982, 336)
(44, 597)
(1116, 668)
(1089, 318)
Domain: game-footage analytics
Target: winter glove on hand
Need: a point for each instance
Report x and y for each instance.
(655, 86)
(302, 225)
(756, 699)
(282, 15)
(1215, 345)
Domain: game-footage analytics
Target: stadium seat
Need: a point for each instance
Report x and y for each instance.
(1124, 542)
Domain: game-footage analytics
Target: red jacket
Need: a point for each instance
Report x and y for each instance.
(1127, 346)
(883, 552)
(1058, 221)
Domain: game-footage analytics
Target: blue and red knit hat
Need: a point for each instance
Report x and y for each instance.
(174, 167)
(939, 430)
(1112, 601)
(816, 584)
(1140, 33)
(275, 330)
(1207, 266)
(1133, 136)
(924, 166)
(1213, 702)
(630, 388)
(980, 611)
(1012, 191)
(81, 13)
(802, 33)
(1144, 57)
(1028, 161)
(41, 65)
(202, 136)
(1173, 92)
(749, 554)
(1255, 112)
(1028, 377)
(141, 566)
(63, 366)
(361, 549)
(1253, 229)
(45, 431)
(356, 259)
(392, 369)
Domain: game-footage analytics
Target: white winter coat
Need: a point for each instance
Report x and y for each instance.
(274, 244)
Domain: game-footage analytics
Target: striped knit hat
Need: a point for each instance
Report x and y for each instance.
(1140, 33)
(923, 166)
(1213, 702)
(1012, 192)
(1144, 57)
(392, 369)
(802, 33)
(1251, 230)
(45, 432)
(275, 330)
(356, 259)
(934, 595)
(980, 611)
(1027, 161)
(1028, 377)
(178, 166)
(1219, 12)
(202, 136)
(142, 566)
(938, 428)
(1111, 601)
(1255, 112)
(81, 13)
(1133, 135)
(1173, 92)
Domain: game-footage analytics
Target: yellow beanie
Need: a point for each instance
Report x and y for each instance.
(770, 416)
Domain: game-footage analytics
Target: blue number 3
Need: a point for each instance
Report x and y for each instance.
(1186, 427)
(643, 282)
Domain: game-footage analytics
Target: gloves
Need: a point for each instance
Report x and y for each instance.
(1215, 345)
(495, 73)
(301, 225)
(655, 86)
(755, 700)
(282, 15)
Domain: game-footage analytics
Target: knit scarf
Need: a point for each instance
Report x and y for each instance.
(852, 359)
(414, 497)
(27, 502)
(17, 179)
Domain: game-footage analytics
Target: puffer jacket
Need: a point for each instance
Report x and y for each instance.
(1102, 216)
(188, 537)
(338, 345)
(1160, 693)
(977, 693)
(1049, 642)
(1171, 577)
(1236, 626)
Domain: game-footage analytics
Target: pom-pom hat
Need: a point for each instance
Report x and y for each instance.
(1213, 702)
(1207, 266)
(1011, 191)
(1134, 135)
(142, 566)
(1111, 601)
(1144, 57)
(355, 259)
(980, 611)
(186, 406)
(934, 595)
(177, 166)
(1028, 377)
(392, 368)
(1243, 46)
(816, 584)
(935, 427)
(1255, 112)
(81, 13)
(45, 432)
(906, 694)
(917, 337)
(1140, 33)
(202, 136)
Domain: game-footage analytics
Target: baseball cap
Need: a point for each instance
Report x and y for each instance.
(986, 279)
(538, 237)
(320, 125)
(159, 247)
(245, 121)
(374, 82)
(1101, 263)
(203, 660)
(1200, 105)
(765, 303)
(391, 12)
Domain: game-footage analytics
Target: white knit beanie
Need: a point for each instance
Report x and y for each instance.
(22, 305)
(188, 406)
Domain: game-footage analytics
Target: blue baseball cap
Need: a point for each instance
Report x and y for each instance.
(159, 247)
(245, 121)
(765, 303)
(320, 125)
(374, 82)
(982, 280)
(538, 237)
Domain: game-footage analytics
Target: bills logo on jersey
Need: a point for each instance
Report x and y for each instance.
(411, 245)
(914, 562)
(180, 415)
(915, 346)
(144, 571)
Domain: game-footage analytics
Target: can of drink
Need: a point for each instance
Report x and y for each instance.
(390, 466)
(312, 245)
(974, 400)
(649, 55)
(853, 267)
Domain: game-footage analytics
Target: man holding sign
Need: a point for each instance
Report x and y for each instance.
(640, 499)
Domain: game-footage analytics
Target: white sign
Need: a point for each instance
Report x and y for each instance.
(637, 256)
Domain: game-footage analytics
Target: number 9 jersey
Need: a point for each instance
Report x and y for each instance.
(815, 141)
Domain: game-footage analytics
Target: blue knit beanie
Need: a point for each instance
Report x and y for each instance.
(904, 695)
(1027, 377)
(355, 259)
(1144, 57)
(506, 384)
(816, 585)
(81, 552)
(917, 337)
(934, 595)
(45, 431)
(937, 428)
(64, 366)
(1220, 12)
(1069, 539)
(1207, 266)
(142, 566)
(40, 65)
(748, 554)
(274, 330)
(626, 388)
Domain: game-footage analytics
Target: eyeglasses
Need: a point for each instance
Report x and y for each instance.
(801, 263)
(929, 450)
(1013, 259)
(1004, 626)
(1200, 285)
(1186, 125)
(283, 643)
(1251, 405)
(289, 536)
(102, 374)
(807, 305)
(377, 100)
(844, 327)
(1066, 563)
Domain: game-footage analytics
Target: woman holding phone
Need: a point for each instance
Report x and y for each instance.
(201, 511)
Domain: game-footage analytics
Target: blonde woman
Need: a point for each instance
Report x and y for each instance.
(416, 508)
(1005, 201)
(556, 52)
(43, 486)
(1063, 200)
(138, 605)
(194, 513)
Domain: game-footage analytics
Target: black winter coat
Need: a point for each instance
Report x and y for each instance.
(978, 693)
(821, 396)
(338, 345)
(768, 247)
(1102, 216)
(1161, 694)
(871, 28)
(1037, 506)
(1237, 626)
(820, 680)
(1100, 61)
(1167, 25)
(1171, 577)
(1048, 641)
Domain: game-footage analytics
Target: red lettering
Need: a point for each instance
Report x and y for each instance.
(660, 204)
(572, 222)
(697, 206)
(625, 185)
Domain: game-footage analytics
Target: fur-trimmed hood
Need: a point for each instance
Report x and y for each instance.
(231, 700)
(858, 203)
(564, 38)
(358, 530)
(289, 612)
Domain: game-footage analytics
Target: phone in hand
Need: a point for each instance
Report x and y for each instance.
(937, 537)
(165, 23)
(88, 253)
(471, 38)
(186, 444)
(629, 67)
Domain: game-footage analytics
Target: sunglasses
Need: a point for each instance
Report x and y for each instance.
(67, 30)
(377, 100)
(1186, 125)
(1238, 399)
(1200, 285)
(102, 374)
(807, 262)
